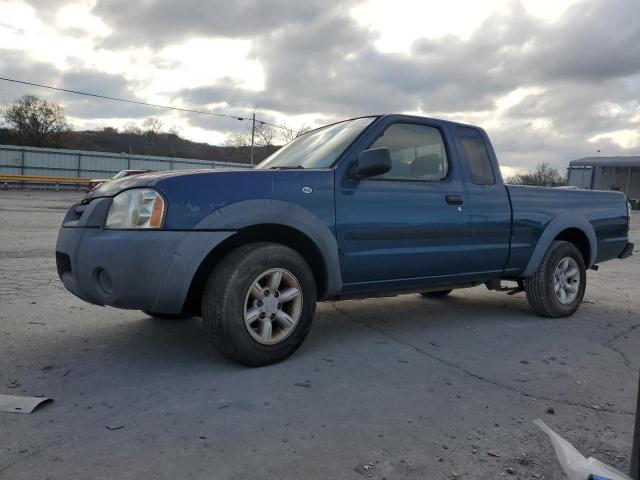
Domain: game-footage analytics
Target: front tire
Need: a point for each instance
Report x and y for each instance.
(557, 288)
(259, 303)
(168, 316)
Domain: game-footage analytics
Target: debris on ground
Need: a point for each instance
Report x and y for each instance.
(574, 464)
(20, 404)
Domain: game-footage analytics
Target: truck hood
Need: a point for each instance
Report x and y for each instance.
(113, 187)
(192, 195)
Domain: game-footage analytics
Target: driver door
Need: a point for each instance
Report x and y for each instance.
(408, 226)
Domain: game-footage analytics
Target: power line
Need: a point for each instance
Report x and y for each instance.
(124, 100)
(167, 107)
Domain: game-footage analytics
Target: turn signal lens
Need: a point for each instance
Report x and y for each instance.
(157, 211)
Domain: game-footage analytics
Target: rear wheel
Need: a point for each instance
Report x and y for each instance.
(557, 288)
(436, 294)
(259, 303)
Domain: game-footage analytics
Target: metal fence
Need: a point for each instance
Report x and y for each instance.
(84, 164)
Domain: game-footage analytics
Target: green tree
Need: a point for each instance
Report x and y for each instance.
(40, 122)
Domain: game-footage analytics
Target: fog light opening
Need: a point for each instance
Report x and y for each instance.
(104, 281)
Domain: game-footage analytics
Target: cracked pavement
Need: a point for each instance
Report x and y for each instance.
(393, 388)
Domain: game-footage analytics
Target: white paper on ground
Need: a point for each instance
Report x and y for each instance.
(574, 464)
(17, 404)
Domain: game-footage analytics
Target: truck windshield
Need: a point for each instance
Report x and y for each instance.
(318, 148)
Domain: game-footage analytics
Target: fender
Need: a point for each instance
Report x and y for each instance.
(247, 213)
(557, 225)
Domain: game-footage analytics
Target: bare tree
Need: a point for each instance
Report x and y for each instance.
(289, 134)
(152, 125)
(238, 140)
(132, 129)
(265, 134)
(543, 176)
(42, 122)
(175, 131)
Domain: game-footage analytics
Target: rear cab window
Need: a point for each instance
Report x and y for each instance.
(474, 153)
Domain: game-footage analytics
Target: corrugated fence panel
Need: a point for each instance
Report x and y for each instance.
(101, 166)
(50, 163)
(85, 164)
(191, 165)
(150, 164)
(10, 161)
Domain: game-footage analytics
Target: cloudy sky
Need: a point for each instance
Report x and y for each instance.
(550, 80)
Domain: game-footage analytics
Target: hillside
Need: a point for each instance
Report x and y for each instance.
(147, 143)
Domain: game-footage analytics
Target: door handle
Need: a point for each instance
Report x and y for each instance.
(453, 199)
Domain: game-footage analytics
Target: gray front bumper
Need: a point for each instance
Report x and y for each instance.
(136, 269)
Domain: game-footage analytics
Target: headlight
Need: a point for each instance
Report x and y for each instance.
(136, 208)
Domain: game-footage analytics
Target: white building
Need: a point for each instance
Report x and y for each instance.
(607, 173)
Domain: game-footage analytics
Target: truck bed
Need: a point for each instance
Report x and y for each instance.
(533, 208)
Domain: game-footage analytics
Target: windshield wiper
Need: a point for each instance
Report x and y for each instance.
(286, 167)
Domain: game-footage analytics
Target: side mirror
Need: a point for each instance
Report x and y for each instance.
(371, 163)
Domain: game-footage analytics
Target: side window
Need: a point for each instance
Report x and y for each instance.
(474, 152)
(417, 152)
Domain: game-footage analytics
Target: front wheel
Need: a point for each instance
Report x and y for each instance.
(168, 316)
(259, 303)
(557, 288)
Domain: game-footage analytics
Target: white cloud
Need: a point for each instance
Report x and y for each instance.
(400, 22)
(201, 61)
(548, 79)
(626, 138)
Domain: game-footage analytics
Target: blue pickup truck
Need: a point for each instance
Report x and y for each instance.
(372, 206)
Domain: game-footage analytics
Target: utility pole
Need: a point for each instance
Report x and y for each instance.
(253, 134)
(635, 452)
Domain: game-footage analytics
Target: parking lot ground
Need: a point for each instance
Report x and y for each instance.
(395, 388)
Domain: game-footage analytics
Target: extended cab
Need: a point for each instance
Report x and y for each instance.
(371, 206)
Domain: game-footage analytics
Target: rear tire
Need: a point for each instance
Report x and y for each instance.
(437, 294)
(557, 288)
(259, 303)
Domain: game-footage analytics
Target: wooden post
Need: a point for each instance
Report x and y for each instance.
(79, 167)
(253, 134)
(22, 153)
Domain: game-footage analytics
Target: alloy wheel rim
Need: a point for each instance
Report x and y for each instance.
(566, 280)
(273, 306)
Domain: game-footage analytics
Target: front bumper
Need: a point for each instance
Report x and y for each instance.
(627, 252)
(135, 269)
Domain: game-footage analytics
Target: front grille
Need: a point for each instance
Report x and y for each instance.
(63, 262)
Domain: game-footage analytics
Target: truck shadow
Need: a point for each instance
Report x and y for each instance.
(414, 311)
(137, 356)
(147, 344)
